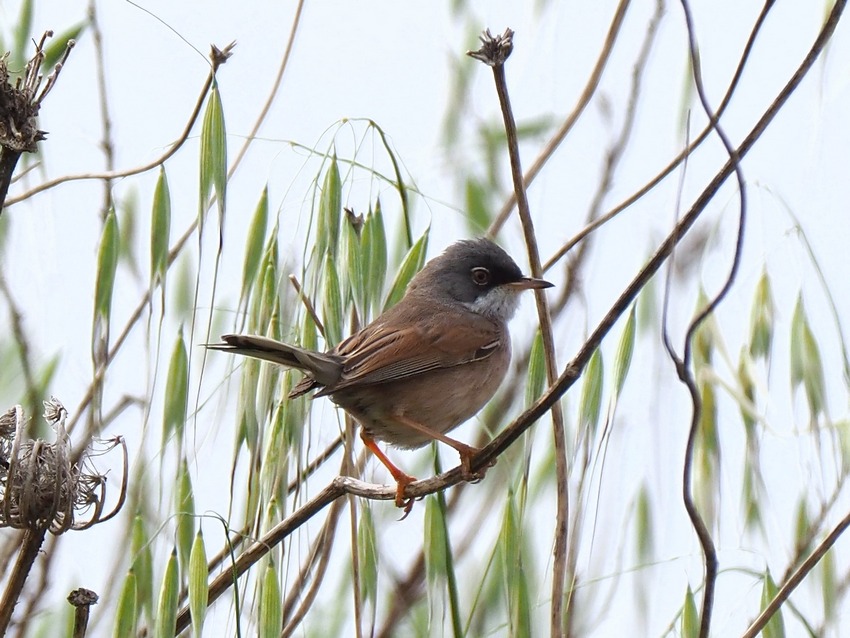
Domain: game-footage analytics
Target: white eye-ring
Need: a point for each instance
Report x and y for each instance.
(480, 276)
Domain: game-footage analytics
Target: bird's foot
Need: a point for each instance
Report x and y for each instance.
(402, 481)
(466, 453)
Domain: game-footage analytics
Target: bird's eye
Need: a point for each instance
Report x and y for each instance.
(481, 276)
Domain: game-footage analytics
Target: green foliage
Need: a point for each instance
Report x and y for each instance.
(166, 609)
(126, 614)
(23, 29)
(516, 586)
(690, 616)
(761, 322)
(271, 605)
(213, 156)
(142, 566)
(160, 228)
(254, 246)
(536, 370)
(434, 542)
(478, 217)
(185, 509)
(332, 302)
(625, 351)
(590, 403)
(374, 242)
(107, 264)
(330, 213)
(410, 265)
(198, 573)
(806, 365)
(776, 627)
(177, 392)
(368, 551)
(644, 529)
(55, 49)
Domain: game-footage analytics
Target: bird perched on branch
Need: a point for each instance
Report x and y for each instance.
(425, 365)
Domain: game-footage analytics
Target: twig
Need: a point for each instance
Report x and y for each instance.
(31, 542)
(571, 119)
(493, 52)
(23, 347)
(82, 600)
(308, 305)
(671, 166)
(796, 578)
(175, 146)
(106, 122)
(683, 365)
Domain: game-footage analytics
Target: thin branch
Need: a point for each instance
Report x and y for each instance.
(106, 123)
(494, 51)
(796, 578)
(22, 342)
(273, 537)
(686, 152)
(110, 175)
(82, 600)
(308, 305)
(683, 366)
(31, 542)
(561, 134)
(274, 91)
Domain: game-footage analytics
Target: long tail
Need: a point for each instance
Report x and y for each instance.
(324, 368)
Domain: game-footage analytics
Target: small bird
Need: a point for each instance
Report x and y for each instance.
(425, 365)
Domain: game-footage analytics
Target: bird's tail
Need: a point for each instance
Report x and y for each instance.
(323, 368)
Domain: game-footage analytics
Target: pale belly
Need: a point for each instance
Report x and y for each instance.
(440, 400)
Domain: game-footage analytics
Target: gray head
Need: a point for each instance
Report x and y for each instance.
(478, 274)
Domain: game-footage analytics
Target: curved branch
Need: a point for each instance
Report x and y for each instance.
(686, 152)
(175, 146)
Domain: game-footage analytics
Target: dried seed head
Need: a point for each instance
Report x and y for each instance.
(40, 489)
(21, 102)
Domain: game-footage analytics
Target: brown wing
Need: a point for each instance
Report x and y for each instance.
(379, 354)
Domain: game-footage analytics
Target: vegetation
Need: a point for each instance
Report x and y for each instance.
(671, 446)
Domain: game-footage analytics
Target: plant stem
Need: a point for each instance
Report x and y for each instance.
(30, 545)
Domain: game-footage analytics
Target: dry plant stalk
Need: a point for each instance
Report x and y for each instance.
(42, 489)
(19, 107)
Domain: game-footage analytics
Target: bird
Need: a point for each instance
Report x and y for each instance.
(425, 365)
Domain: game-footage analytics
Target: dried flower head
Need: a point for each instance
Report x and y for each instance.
(21, 102)
(40, 488)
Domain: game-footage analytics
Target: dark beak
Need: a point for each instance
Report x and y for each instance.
(530, 283)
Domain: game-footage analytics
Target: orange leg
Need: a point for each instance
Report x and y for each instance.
(402, 479)
(466, 451)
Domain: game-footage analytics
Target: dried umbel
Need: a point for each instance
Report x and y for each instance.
(40, 487)
(21, 101)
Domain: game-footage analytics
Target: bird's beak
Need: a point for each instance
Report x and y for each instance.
(530, 283)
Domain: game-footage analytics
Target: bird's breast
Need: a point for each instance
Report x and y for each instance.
(440, 399)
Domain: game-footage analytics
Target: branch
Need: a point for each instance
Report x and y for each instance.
(218, 56)
(493, 52)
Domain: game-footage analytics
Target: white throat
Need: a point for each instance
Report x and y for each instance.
(500, 303)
